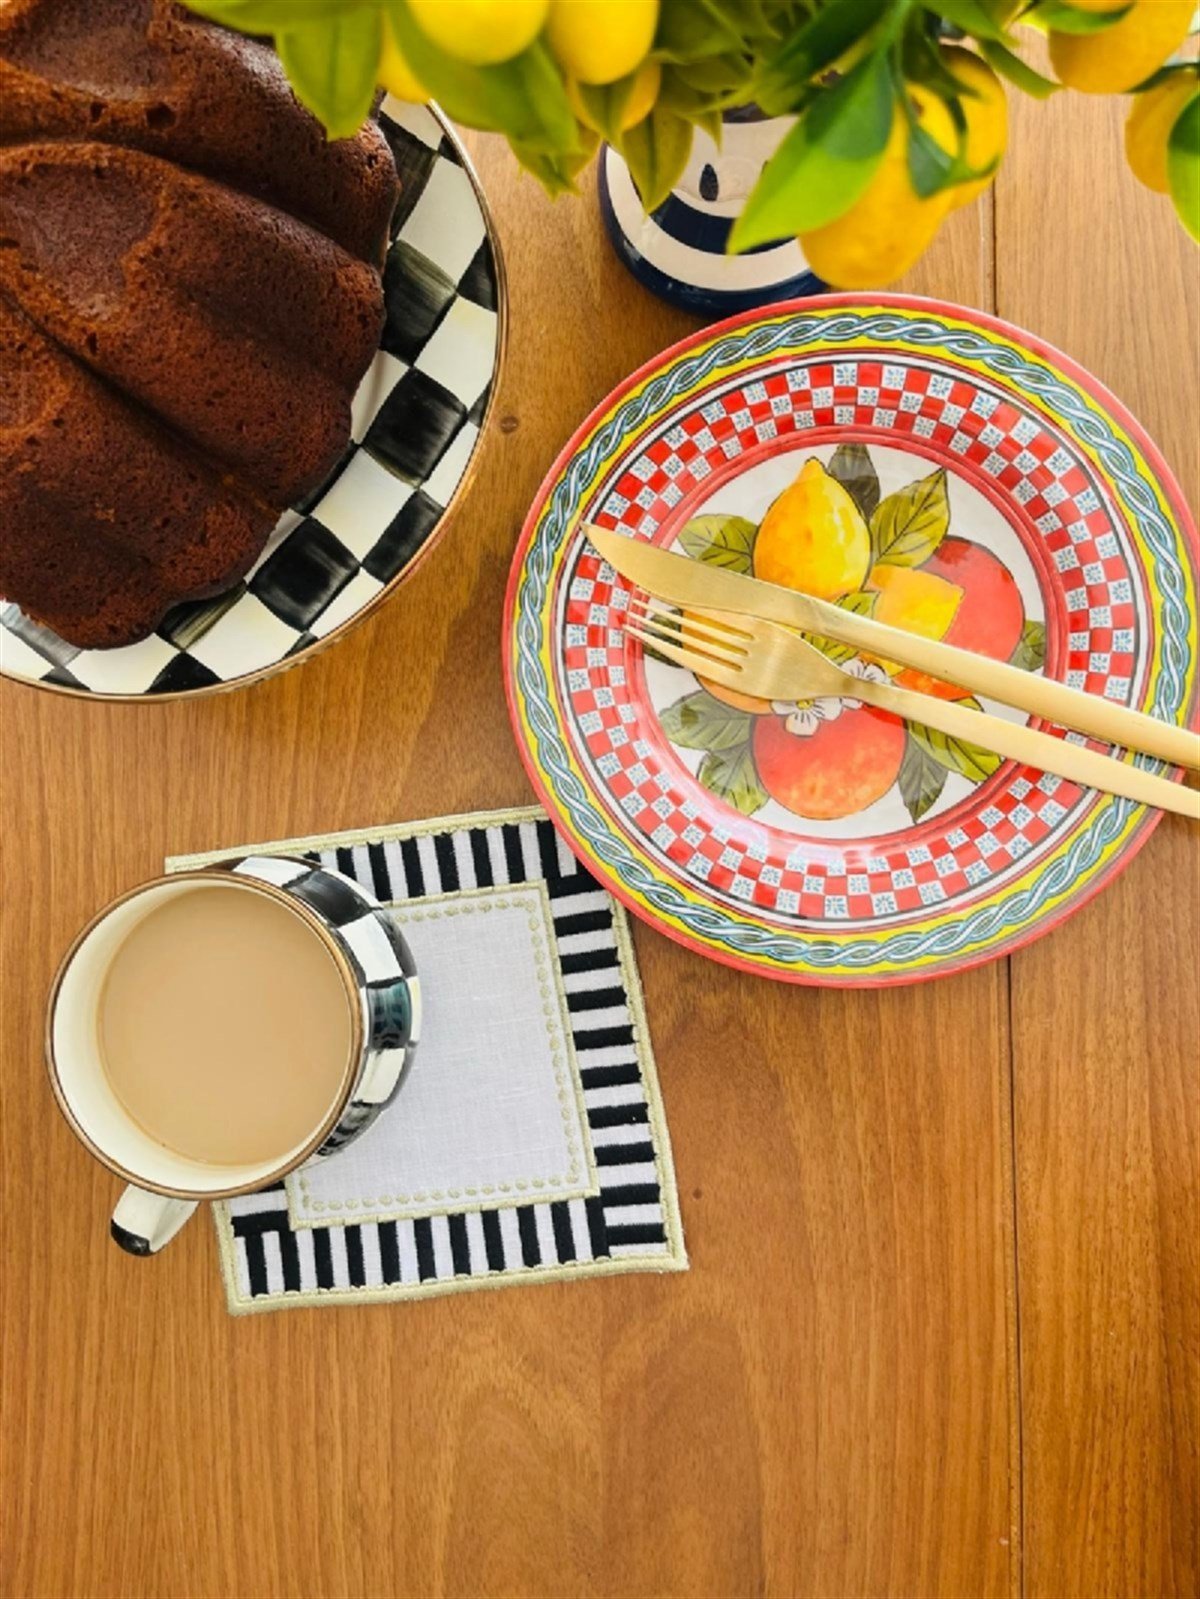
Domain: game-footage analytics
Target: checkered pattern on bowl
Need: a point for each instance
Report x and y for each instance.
(415, 426)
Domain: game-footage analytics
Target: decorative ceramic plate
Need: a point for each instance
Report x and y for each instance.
(417, 417)
(922, 462)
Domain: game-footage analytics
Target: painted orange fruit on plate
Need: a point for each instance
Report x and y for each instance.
(907, 460)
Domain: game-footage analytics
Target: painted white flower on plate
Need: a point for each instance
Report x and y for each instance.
(805, 717)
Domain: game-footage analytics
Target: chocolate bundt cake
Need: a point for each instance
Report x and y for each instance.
(190, 293)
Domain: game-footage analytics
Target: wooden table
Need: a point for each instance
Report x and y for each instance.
(940, 1332)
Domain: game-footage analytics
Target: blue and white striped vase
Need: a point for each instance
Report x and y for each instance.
(678, 250)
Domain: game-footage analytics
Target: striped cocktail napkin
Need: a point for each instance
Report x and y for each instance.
(529, 1141)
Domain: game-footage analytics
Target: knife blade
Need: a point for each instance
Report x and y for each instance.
(682, 581)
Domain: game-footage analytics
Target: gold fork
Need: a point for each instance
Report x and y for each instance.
(764, 659)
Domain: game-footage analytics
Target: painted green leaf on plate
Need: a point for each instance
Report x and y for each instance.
(852, 466)
(909, 525)
(1030, 653)
(732, 776)
(700, 721)
(726, 541)
(921, 779)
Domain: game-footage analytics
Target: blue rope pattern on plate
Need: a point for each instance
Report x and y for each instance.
(1087, 422)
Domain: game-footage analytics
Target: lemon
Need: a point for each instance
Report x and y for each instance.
(1119, 57)
(889, 226)
(813, 537)
(599, 41)
(986, 112)
(919, 602)
(1149, 127)
(394, 72)
(642, 94)
(481, 32)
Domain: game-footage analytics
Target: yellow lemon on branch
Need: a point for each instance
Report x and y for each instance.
(638, 103)
(394, 72)
(481, 32)
(1149, 127)
(1120, 57)
(986, 113)
(599, 41)
(890, 225)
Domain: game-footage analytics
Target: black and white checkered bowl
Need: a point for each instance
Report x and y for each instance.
(416, 423)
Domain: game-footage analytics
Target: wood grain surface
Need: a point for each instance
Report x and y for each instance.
(939, 1337)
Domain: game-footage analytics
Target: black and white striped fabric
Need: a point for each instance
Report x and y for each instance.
(415, 425)
(630, 1223)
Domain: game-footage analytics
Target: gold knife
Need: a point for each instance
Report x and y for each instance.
(682, 581)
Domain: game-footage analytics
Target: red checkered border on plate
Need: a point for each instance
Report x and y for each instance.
(1014, 456)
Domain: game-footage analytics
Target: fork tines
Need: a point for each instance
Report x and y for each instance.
(695, 641)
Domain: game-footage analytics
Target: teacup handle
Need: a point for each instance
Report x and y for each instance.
(142, 1222)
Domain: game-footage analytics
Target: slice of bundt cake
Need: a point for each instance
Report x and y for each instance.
(107, 518)
(189, 275)
(244, 329)
(147, 75)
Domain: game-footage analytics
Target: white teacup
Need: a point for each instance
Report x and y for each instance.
(382, 994)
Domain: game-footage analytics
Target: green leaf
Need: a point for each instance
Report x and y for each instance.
(825, 162)
(909, 525)
(925, 64)
(557, 173)
(929, 166)
(700, 721)
(852, 466)
(332, 65)
(1030, 653)
(862, 604)
(956, 755)
(712, 124)
(657, 150)
(1169, 70)
(757, 22)
(605, 104)
(932, 168)
(721, 540)
(690, 29)
(716, 75)
(1183, 166)
(812, 47)
(969, 15)
(732, 776)
(1070, 19)
(1017, 72)
(524, 98)
(921, 779)
(274, 16)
